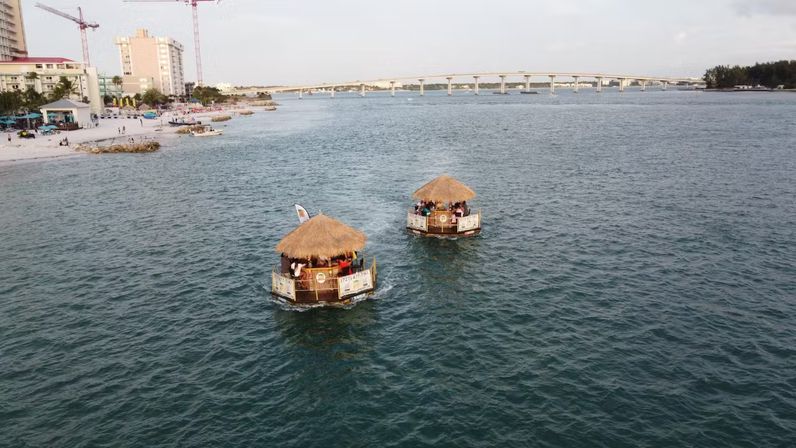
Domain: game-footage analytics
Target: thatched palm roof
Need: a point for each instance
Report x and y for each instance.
(444, 189)
(321, 236)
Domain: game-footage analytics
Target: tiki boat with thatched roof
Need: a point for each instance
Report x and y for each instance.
(320, 264)
(442, 210)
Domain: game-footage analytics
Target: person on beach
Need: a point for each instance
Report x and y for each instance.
(119, 131)
(142, 122)
(9, 138)
(124, 129)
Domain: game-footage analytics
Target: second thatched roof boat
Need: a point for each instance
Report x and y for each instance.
(320, 264)
(442, 210)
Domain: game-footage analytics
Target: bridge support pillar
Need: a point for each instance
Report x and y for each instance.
(599, 84)
(621, 84)
(301, 93)
(476, 84)
(392, 88)
(665, 85)
(331, 94)
(528, 83)
(502, 84)
(450, 88)
(552, 84)
(362, 90)
(643, 85)
(577, 78)
(422, 91)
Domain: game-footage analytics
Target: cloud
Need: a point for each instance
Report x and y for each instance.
(680, 37)
(766, 7)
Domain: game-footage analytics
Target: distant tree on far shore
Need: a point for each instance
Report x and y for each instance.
(208, 95)
(769, 74)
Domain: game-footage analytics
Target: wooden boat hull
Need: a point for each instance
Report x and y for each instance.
(439, 233)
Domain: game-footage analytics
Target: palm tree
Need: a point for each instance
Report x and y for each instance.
(117, 81)
(32, 76)
(64, 89)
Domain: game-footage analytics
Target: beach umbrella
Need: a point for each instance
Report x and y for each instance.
(34, 115)
(444, 189)
(322, 237)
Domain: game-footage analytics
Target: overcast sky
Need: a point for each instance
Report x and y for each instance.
(310, 41)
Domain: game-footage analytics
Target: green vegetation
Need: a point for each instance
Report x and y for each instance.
(63, 89)
(33, 100)
(153, 97)
(208, 95)
(10, 102)
(769, 74)
(14, 101)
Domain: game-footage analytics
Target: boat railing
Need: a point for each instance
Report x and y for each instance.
(321, 281)
(444, 220)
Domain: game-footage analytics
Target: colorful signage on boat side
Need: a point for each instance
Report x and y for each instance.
(416, 222)
(466, 223)
(355, 283)
(283, 286)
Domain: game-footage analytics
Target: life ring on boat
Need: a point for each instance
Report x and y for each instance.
(320, 277)
(443, 218)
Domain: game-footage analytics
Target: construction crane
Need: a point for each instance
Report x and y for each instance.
(195, 13)
(80, 23)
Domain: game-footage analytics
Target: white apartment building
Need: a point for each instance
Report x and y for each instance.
(149, 62)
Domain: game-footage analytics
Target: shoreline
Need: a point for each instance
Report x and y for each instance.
(45, 147)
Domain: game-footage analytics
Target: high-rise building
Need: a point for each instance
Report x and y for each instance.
(12, 31)
(149, 62)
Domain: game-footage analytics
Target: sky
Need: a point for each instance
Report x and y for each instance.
(291, 42)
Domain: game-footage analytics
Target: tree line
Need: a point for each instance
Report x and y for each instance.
(769, 74)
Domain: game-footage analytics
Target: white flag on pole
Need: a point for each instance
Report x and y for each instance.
(303, 214)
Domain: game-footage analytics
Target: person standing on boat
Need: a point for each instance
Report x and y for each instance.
(297, 267)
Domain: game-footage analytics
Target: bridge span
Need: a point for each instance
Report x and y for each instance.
(600, 78)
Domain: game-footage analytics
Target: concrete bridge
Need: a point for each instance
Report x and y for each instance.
(576, 78)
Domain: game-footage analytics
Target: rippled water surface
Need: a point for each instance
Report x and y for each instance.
(634, 284)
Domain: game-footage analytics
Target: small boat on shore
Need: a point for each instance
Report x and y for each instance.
(442, 210)
(181, 122)
(206, 131)
(529, 92)
(320, 265)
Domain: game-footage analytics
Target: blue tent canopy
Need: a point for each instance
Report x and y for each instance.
(47, 127)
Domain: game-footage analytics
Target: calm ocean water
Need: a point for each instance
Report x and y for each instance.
(635, 283)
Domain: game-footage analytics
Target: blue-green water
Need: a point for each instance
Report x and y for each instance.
(635, 283)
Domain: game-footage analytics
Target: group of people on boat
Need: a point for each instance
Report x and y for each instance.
(457, 209)
(345, 264)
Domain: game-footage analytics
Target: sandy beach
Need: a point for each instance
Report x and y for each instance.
(108, 131)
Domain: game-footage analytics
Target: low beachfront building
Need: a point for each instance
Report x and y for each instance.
(43, 74)
(66, 112)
